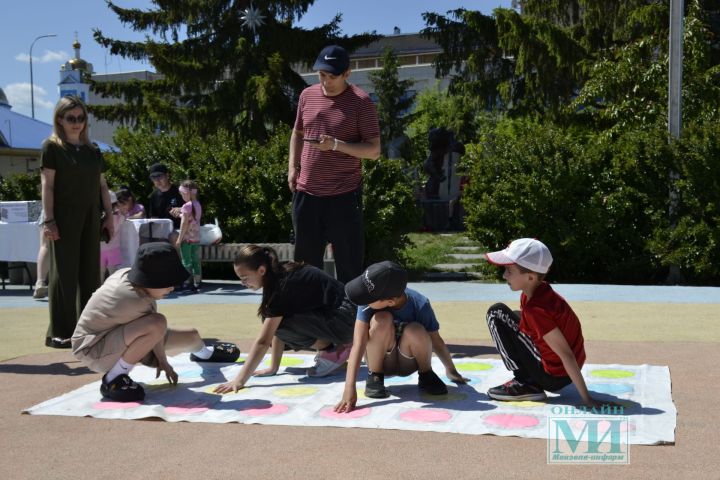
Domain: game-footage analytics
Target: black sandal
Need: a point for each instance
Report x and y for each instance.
(222, 353)
(57, 342)
(122, 389)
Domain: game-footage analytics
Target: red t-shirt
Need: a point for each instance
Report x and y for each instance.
(541, 314)
(349, 117)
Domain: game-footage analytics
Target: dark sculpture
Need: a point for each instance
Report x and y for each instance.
(442, 141)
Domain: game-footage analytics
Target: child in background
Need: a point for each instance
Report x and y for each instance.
(110, 254)
(544, 346)
(398, 327)
(189, 238)
(129, 208)
(120, 325)
(301, 307)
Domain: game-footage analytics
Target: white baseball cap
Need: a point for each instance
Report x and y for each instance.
(113, 196)
(526, 252)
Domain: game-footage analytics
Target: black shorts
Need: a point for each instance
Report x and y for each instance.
(301, 330)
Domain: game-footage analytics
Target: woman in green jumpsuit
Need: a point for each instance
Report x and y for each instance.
(72, 186)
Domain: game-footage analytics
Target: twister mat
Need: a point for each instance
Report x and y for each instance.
(292, 398)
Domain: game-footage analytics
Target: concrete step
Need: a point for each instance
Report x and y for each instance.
(467, 256)
(454, 267)
(465, 248)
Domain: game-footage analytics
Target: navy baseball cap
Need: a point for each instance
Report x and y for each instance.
(381, 281)
(333, 59)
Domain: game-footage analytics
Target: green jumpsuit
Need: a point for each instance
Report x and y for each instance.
(75, 257)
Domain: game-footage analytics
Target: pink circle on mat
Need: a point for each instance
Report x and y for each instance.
(271, 410)
(424, 415)
(181, 409)
(330, 413)
(509, 421)
(115, 405)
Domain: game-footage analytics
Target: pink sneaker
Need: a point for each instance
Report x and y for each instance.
(327, 362)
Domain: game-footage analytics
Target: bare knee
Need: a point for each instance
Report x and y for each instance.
(415, 334)
(156, 325)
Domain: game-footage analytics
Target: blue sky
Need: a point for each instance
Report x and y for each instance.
(25, 20)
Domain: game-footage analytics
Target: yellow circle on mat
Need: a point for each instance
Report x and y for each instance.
(473, 367)
(525, 404)
(611, 373)
(299, 391)
(211, 389)
(158, 385)
(291, 362)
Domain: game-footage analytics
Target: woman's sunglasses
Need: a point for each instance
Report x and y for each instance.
(73, 120)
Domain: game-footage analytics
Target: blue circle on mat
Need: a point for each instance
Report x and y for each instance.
(191, 372)
(398, 380)
(610, 388)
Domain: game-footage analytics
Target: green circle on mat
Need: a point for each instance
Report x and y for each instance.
(474, 367)
(291, 362)
(611, 373)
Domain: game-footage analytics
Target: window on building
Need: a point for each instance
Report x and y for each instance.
(367, 63)
(407, 60)
(427, 58)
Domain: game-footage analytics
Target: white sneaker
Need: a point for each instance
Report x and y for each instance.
(327, 362)
(41, 291)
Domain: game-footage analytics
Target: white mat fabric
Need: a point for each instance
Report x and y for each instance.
(292, 398)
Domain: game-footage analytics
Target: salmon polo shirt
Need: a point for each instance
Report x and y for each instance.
(543, 312)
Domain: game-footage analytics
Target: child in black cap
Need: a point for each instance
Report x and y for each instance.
(120, 325)
(398, 327)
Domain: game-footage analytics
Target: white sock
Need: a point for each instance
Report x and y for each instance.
(204, 353)
(118, 369)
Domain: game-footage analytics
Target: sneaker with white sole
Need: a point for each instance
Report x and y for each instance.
(515, 390)
(327, 362)
(41, 291)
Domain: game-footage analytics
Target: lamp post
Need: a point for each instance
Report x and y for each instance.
(32, 87)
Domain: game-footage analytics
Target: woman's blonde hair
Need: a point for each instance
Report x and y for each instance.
(63, 106)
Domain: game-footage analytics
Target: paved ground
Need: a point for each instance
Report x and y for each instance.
(675, 326)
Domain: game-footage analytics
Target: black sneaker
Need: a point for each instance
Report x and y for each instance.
(57, 342)
(431, 384)
(122, 389)
(515, 390)
(375, 386)
(222, 353)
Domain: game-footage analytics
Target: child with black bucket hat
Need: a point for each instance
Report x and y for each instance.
(398, 328)
(120, 325)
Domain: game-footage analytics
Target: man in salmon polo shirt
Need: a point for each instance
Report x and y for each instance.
(336, 126)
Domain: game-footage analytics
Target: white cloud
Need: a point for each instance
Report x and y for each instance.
(48, 56)
(18, 95)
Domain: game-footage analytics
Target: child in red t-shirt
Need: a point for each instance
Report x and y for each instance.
(543, 345)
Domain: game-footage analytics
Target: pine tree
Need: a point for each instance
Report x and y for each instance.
(393, 98)
(225, 64)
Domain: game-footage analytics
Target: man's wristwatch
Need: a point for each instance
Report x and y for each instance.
(335, 144)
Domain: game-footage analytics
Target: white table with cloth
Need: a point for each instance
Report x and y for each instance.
(132, 230)
(20, 242)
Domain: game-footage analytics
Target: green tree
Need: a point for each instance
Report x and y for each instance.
(393, 98)
(471, 54)
(220, 70)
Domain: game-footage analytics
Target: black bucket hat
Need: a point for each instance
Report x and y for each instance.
(157, 265)
(380, 281)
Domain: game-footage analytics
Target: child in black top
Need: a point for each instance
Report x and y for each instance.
(302, 307)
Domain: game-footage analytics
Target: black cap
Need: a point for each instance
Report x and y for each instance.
(380, 281)
(158, 169)
(333, 59)
(157, 265)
